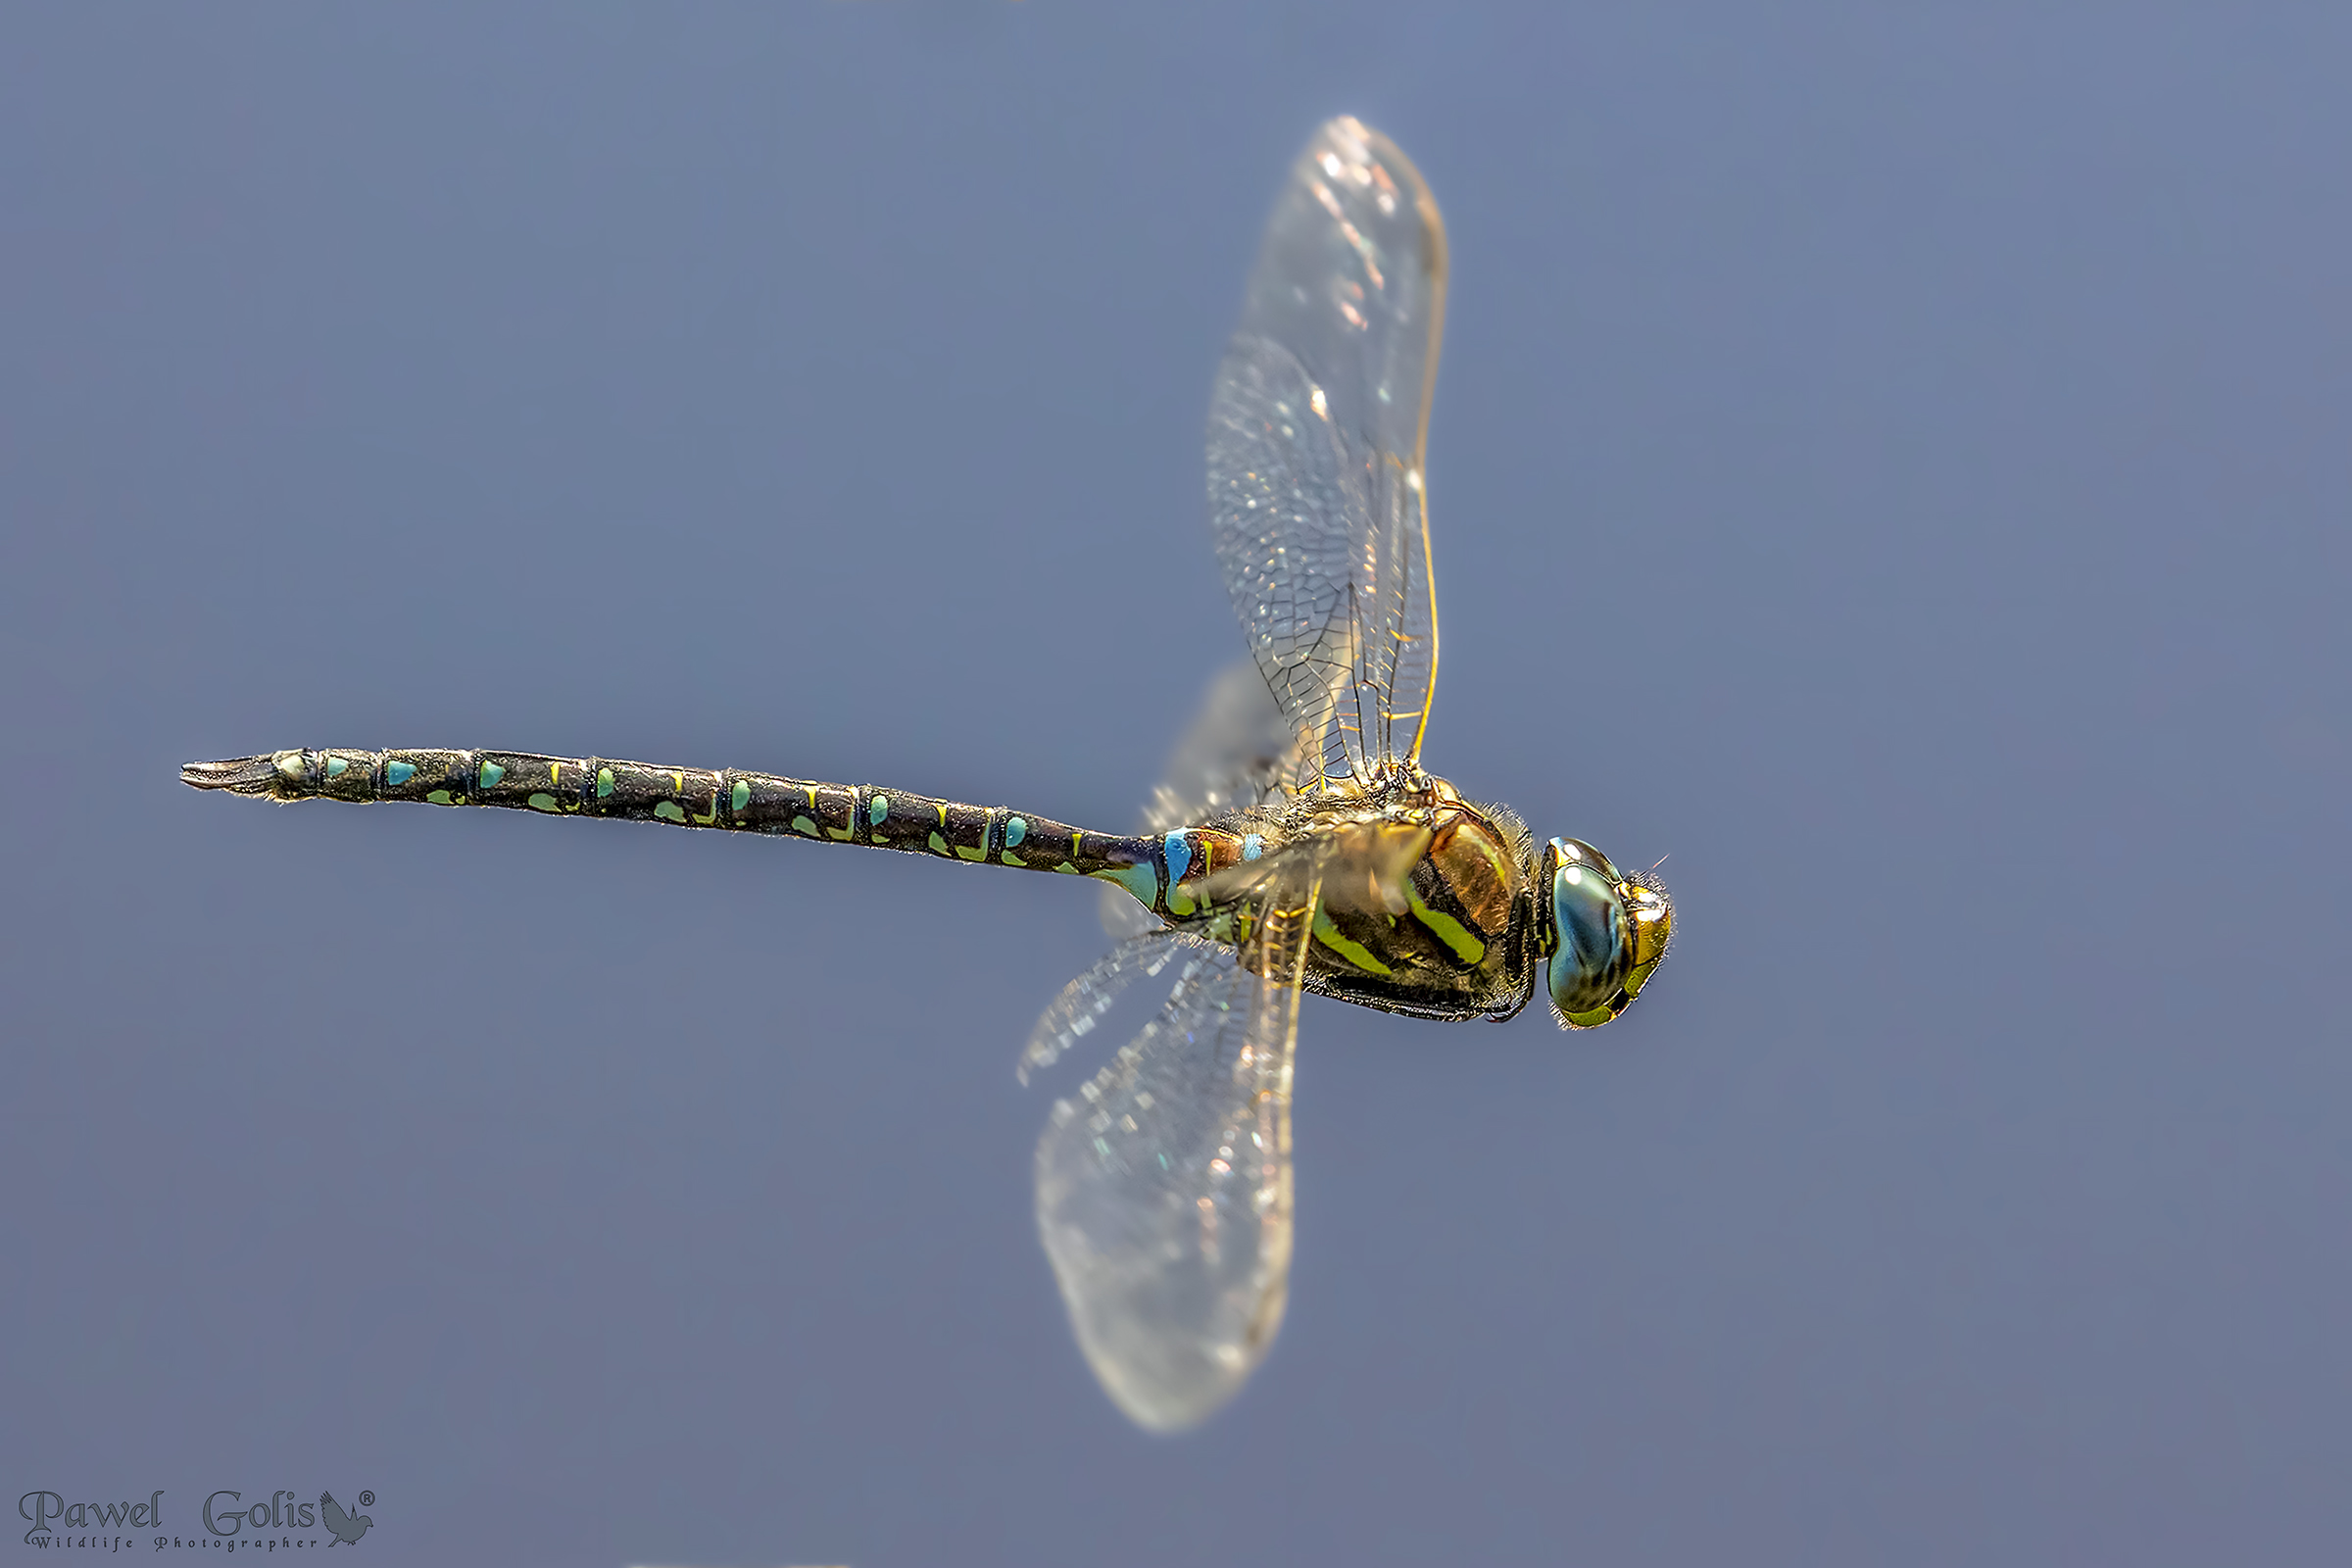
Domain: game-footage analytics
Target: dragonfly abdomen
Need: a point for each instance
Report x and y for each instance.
(733, 799)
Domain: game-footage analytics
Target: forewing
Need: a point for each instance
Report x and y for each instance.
(1163, 1186)
(1318, 430)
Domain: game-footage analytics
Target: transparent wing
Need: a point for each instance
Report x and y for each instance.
(1164, 1186)
(1238, 752)
(1086, 1000)
(1318, 430)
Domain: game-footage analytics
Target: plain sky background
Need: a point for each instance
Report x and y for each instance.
(1897, 463)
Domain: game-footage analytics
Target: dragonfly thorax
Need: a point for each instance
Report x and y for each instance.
(1426, 901)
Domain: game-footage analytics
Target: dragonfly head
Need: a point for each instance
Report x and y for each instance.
(1604, 932)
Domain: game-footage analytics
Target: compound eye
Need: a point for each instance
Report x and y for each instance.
(1594, 937)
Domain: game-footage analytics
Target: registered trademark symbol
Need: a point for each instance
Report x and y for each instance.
(366, 1499)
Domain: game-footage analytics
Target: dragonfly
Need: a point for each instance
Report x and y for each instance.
(1297, 844)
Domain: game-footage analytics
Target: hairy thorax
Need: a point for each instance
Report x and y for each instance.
(1424, 903)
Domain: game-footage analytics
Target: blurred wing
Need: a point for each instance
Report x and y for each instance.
(1240, 751)
(1359, 868)
(1164, 1186)
(1318, 430)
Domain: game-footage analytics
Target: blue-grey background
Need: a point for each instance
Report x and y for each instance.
(1898, 467)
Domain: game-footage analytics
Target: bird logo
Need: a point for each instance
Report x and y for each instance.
(346, 1528)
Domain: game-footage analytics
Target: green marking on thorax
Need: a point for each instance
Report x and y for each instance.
(1446, 929)
(1346, 947)
(801, 824)
(668, 812)
(938, 845)
(442, 798)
